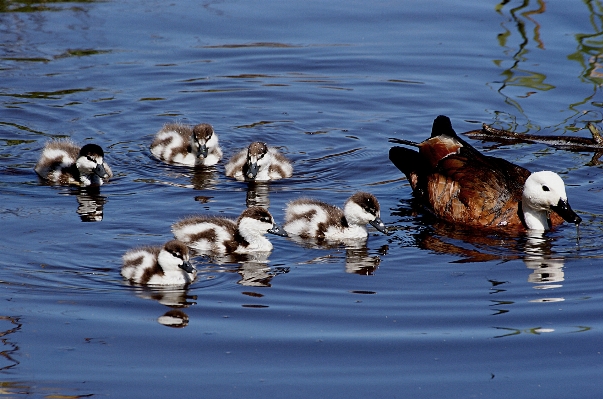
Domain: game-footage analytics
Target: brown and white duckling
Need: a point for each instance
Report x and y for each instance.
(191, 146)
(166, 265)
(307, 218)
(460, 185)
(258, 162)
(63, 162)
(219, 235)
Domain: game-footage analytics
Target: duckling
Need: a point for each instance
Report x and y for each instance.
(258, 162)
(221, 235)
(307, 218)
(460, 185)
(63, 162)
(166, 265)
(191, 146)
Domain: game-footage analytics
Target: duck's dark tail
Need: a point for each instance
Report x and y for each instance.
(409, 162)
(442, 125)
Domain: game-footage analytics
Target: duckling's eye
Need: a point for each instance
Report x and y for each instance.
(266, 219)
(90, 158)
(545, 188)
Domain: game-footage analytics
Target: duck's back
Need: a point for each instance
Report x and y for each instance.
(57, 162)
(307, 217)
(461, 185)
(207, 233)
(172, 144)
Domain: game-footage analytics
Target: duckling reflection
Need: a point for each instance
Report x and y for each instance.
(253, 267)
(174, 318)
(204, 178)
(91, 204)
(174, 298)
(257, 194)
(358, 259)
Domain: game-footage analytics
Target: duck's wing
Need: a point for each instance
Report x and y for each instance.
(476, 190)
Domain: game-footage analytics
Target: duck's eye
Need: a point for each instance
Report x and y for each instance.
(545, 188)
(90, 158)
(265, 219)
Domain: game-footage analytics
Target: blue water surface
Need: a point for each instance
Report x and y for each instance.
(428, 311)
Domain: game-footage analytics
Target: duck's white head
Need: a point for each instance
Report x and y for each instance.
(203, 139)
(175, 256)
(544, 192)
(256, 221)
(362, 208)
(90, 161)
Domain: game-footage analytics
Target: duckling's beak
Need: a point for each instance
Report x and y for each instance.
(187, 266)
(564, 210)
(379, 225)
(203, 150)
(278, 231)
(100, 171)
(253, 170)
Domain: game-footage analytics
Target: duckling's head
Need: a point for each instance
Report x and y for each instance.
(362, 208)
(257, 221)
(255, 157)
(203, 139)
(90, 161)
(544, 192)
(175, 255)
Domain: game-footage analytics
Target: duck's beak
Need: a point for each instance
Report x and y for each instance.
(379, 225)
(203, 150)
(100, 171)
(564, 210)
(252, 170)
(187, 266)
(276, 229)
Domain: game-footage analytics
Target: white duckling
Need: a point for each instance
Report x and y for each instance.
(167, 265)
(208, 234)
(191, 146)
(307, 218)
(258, 162)
(63, 162)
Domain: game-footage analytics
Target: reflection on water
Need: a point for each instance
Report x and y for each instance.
(175, 298)
(548, 268)
(91, 204)
(257, 194)
(10, 349)
(520, 74)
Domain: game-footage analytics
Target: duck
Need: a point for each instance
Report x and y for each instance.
(460, 185)
(159, 265)
(177, 143)
(311, 218)
(258, 162)
(63, 162)
(220, 235)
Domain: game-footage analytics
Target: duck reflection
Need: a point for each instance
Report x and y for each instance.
(253, 267)
(90, 204)
(204, 178)
(257, 194)
(176, 299)
(546, 267)
(534, 248)
(358, 259)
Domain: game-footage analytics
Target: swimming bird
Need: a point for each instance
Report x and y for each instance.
(177, 143)
(258, 162)
(460, 185)
(219, 235)
(306, 217)
(159, 265)
(64, 162)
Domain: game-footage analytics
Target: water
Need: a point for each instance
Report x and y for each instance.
(429, 311)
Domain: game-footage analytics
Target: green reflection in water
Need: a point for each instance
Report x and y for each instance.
(36, 5)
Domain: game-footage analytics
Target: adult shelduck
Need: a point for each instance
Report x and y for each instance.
(460, 185)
